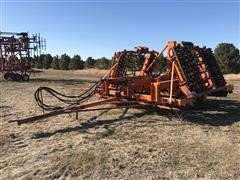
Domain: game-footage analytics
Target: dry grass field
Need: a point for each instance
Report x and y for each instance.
(199, 143)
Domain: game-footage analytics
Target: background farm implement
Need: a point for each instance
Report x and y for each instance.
(16, 51)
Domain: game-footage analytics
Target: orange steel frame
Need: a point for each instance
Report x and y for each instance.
(168, 91)
(144, 88)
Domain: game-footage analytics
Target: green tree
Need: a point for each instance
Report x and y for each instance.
(102, 63)
(90, 62)
(55, 62)
(34, 60)
(39, 61)
(64, 62)
(161, 65)
(76, 63)
(227, 56)
(47, 61)
(81, 64)
(134, 62)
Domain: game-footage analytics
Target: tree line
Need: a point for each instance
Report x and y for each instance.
(227, 56)
(65, 62)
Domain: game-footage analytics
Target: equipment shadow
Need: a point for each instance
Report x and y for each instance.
(214, 112)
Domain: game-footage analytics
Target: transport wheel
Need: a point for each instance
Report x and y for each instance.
(7, 76)
(13, 76)
(25, 77)
(18, 77)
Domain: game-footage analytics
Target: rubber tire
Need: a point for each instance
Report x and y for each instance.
(25, 77)
(13, 76)
(7, 76)
(18, 77)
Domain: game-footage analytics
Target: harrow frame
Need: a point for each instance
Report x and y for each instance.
(191, 74)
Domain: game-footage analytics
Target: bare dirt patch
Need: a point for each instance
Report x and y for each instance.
(203, 142)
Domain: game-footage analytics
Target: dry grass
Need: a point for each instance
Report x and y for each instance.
(129, 144)
(232, 77)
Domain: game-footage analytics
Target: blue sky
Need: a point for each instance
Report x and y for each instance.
(100, 28)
